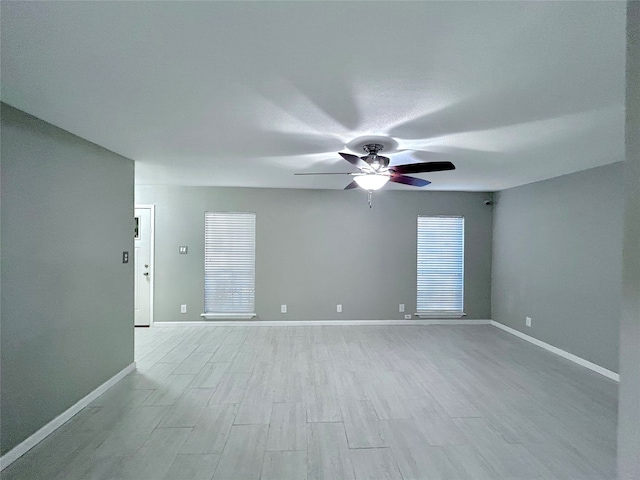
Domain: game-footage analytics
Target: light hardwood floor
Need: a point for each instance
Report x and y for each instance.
(338, 402)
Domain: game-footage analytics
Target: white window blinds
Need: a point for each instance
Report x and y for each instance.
(229, 264)
(440, 266)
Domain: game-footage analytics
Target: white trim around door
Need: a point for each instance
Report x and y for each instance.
(152, 257)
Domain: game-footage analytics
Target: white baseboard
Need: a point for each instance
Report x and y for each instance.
(228, 316)
(307, 323)
(26, 445)
(569, 356)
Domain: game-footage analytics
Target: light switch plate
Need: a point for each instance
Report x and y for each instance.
(183, 249)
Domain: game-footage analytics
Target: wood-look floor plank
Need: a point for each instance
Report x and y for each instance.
(375, 463)
(210, 375)
(117, 397)
(477, 430)
(224, 354)
(187, 409)
(387, 404)
(243, 362)
(243, 454)
(328, 452)
(231, 388)
(287, 427)
(291, 465)
(362, 425)
(60, 452)
(210, 433)
(322, 404)
(120, 442)
(253, 413)
(178, 354)
(89, 468)
(192, 364)
(567, 462)
(257, 402)
(142, 419)
(466, 461)
(513, 461)
(408, 447)
(453, 400)
(170, 391)
(289, 387)
(439, 431)
(155, 457)
(193, 467)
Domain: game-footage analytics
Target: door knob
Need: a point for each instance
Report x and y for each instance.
(146, 274)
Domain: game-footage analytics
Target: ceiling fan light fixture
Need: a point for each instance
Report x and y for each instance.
(371, 182)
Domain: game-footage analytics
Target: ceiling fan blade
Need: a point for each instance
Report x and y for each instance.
(351, 186)
(354, 160)
(325, 173)
(413, 181)
(422, 167)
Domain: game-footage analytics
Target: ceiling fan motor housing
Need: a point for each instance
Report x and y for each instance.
(373, 158)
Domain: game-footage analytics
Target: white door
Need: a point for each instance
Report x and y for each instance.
(142, 266)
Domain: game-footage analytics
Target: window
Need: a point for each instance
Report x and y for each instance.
(229, 265)
(440, 266)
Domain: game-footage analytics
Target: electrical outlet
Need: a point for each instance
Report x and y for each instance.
(183, 309)
(401, 307)
(528, 321)
(283, 309)
(407, 316)
(339, 308)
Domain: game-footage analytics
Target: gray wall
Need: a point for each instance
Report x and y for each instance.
(557, 258)
(67, 301)
(629, 407)
(315, 249)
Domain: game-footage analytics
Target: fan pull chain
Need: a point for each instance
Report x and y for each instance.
(370, 194)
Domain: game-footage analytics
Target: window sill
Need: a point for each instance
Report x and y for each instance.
(442, 314)
(228, 316)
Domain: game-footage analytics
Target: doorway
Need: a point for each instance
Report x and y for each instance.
(143, 265)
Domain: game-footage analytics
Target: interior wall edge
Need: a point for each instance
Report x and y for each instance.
(37, 437)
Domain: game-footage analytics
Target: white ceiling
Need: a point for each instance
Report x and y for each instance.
(247, 94)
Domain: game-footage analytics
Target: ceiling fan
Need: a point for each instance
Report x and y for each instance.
(375, 171)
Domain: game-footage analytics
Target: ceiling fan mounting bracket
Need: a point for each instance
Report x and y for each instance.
(373, 148)
(389, 145)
